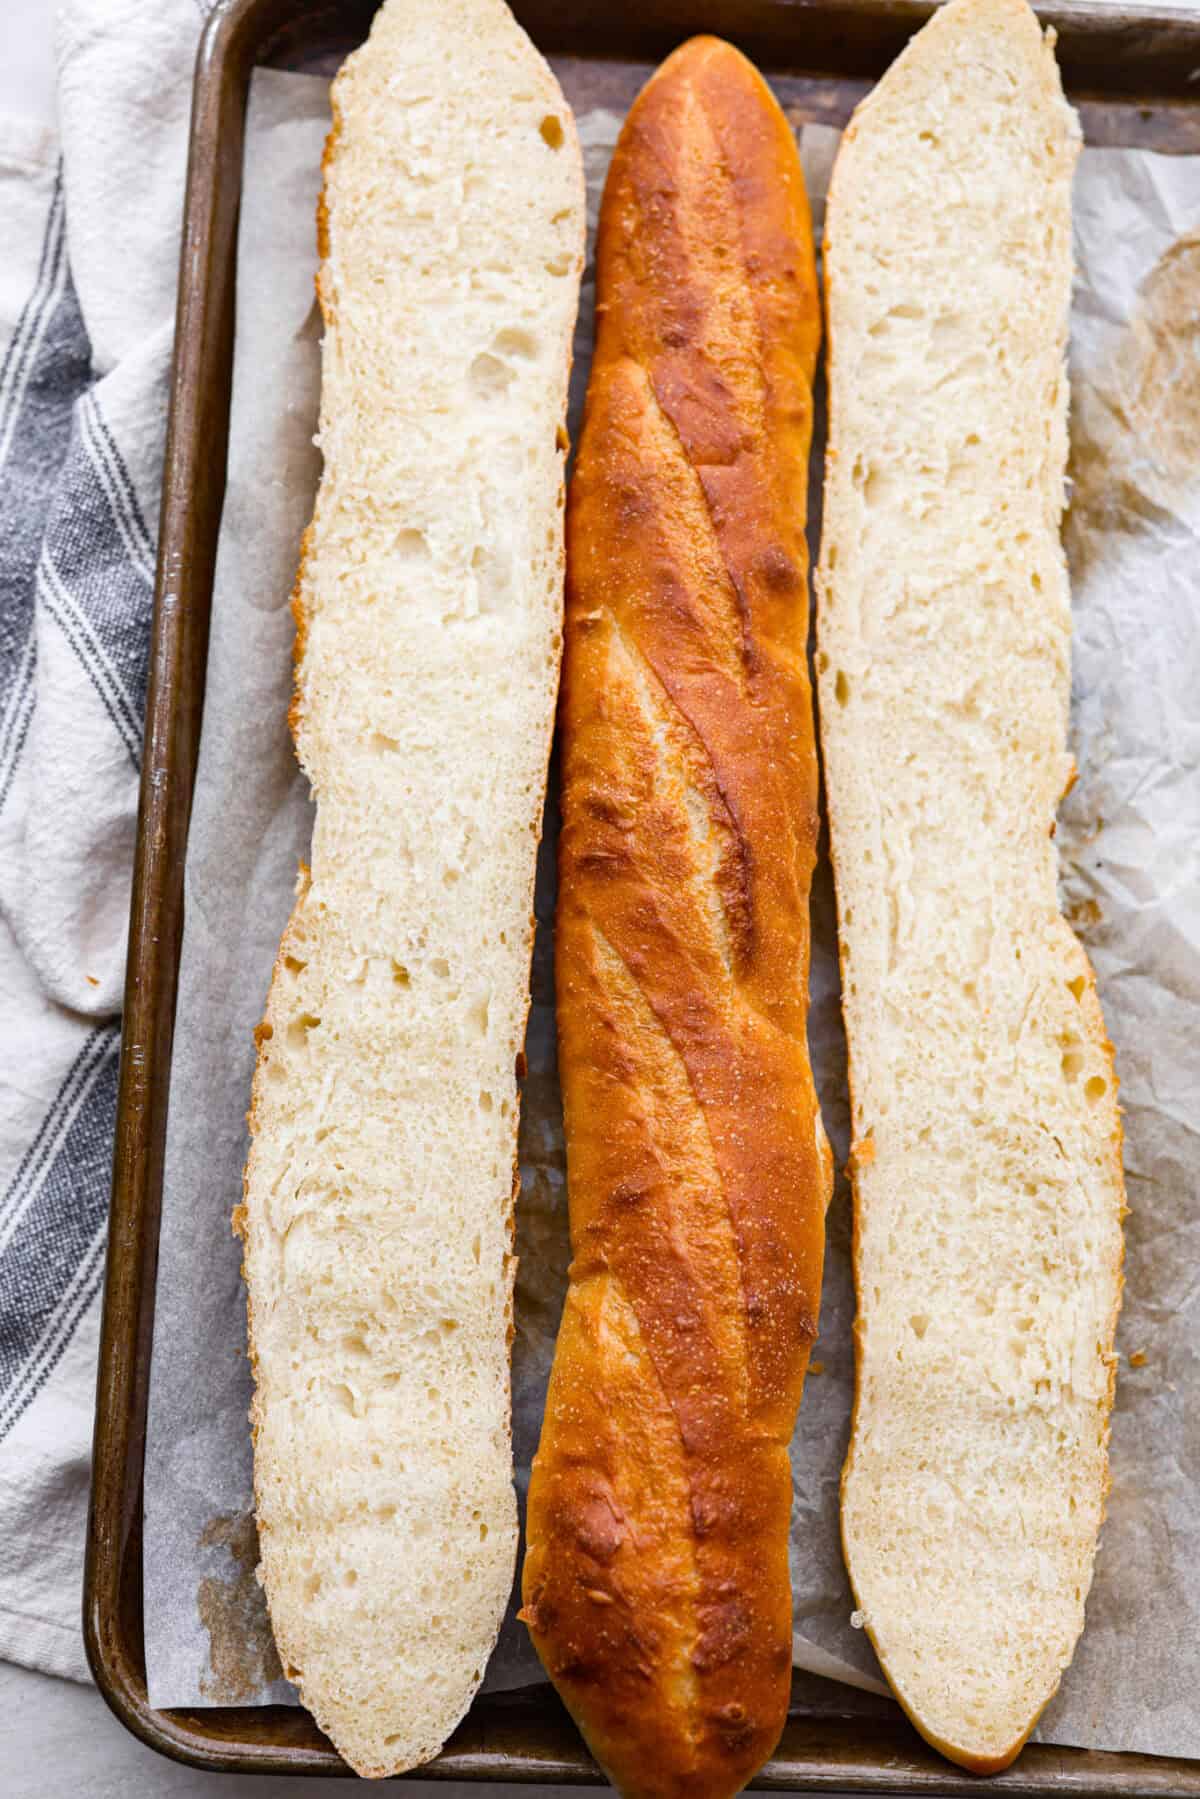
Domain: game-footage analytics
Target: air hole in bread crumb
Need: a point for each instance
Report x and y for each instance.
(297, 1031)
(1096, 1088)
(559, 265)
(919, 1323)
(440, 967)
(514, 342)
(841, 688)
(294, 965)
(385, 1513)
(451, 877)
(485, 1102)
(562, 442)
(877, 486)
(489, 377)
(312, 1586)
(400, 974)
(350, 1577)
(551, 130)
(412, 546)
(1072, 1063)
(1076, 987)
(383, 745)
(493, 577)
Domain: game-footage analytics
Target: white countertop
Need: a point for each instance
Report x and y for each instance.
(60, 1741)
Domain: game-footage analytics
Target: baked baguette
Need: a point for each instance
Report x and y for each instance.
(656, 1577)
(378, 1192)
(987, 1156)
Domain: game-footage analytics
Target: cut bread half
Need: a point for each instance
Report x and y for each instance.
(987, 1155)
(378, 1192)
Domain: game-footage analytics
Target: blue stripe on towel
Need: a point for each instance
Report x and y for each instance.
(45, 371)
(50, 1267)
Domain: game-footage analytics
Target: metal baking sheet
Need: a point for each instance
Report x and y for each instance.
(1131, 72)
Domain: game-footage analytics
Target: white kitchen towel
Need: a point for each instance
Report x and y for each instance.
(90, 213)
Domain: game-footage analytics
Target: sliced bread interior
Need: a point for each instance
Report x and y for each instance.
(378, 1202)
(987, 1155)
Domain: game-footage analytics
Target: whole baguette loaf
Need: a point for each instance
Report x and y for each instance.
(987, 1156)
(378, 1192)
(656, 1579)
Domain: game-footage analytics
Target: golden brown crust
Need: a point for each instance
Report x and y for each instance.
(325, 302)
(656, 1578)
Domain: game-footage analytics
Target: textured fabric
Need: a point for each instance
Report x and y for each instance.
(90, 210)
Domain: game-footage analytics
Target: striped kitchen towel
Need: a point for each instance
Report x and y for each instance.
(90, 209)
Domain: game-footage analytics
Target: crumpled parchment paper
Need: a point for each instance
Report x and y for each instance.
(1129, 835)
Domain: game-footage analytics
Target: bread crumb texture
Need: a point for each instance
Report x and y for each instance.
(378, 1203)
(988, 1235)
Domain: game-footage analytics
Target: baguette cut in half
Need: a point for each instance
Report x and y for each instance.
(987, 1154)
(378, 1193)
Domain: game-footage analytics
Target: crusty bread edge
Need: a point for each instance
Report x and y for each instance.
(1094, 1031)
(264, 1029)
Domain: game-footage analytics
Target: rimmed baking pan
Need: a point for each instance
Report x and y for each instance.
(1131, 72)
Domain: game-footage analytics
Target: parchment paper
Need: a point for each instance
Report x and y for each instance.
(1130, 841)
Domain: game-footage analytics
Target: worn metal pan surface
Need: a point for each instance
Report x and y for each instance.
(1131, 73)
